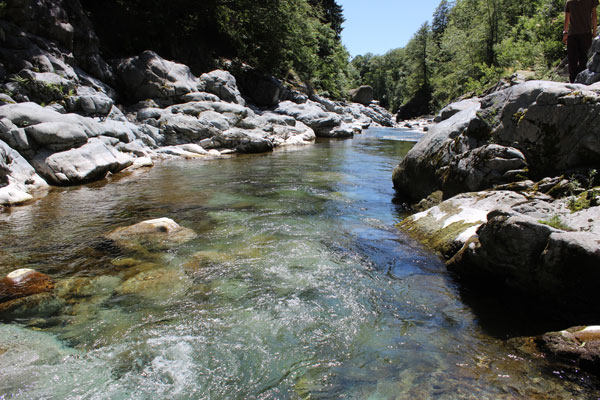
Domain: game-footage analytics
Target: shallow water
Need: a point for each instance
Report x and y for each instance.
(298, 286)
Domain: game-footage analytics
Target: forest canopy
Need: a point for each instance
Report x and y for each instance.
(468, 46)
(280, 37)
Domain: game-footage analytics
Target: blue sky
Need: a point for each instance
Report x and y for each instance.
(377, 26)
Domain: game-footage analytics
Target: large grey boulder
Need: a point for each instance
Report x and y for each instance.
(533, 129)
(533, 257)
(90, 102)
(18, 179)
(457, 107)
(362, 95)
(591, 75)
(90, 162)
(244, 140)
(148, 76)
(24, 115)
(57, 136)
(260, 89)
(222, 84)
(309, 113)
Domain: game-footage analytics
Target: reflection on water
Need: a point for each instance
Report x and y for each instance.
(297, 286)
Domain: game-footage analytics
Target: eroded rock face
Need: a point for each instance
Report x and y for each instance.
(534, 129)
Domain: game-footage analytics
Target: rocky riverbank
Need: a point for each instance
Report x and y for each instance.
(69, 117)
(508, 192)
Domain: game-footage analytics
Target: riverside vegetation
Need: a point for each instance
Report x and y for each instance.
(505, 181)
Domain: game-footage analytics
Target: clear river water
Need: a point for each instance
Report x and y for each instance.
(298, 286)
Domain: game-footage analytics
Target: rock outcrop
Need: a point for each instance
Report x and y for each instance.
(496, 226)
(534, 129)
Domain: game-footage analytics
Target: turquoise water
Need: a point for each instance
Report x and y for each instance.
(297, 286)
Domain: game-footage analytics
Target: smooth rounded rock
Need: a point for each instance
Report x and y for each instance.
(24, 282)
(155, 233)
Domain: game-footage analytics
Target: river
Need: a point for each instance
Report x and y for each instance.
(297, 286)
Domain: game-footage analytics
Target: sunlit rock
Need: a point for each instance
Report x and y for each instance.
(155, 233)
(24, 282)
(578, 345)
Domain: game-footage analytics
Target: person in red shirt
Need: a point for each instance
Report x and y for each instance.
(581, 24)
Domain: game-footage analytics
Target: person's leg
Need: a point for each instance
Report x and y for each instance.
(572, 55)
(585, 42)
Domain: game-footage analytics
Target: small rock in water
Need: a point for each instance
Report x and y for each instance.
(156, 232)
(24, 282)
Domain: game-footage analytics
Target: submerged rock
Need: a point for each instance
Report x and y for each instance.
(156, 233)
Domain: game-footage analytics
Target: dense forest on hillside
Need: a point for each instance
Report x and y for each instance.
(297, 39)
(467, 47)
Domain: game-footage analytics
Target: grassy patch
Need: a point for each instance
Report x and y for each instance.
(556, 222)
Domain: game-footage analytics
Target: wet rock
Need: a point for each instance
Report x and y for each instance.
(35, 306)
(155, 283)
(344, 131)
(160, 232)
(24, 282)
(578, 345)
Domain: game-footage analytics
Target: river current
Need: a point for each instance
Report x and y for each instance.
(298, 286)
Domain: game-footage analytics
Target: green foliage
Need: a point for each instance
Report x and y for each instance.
(470, 45)
(281, 37)
(556, 222)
